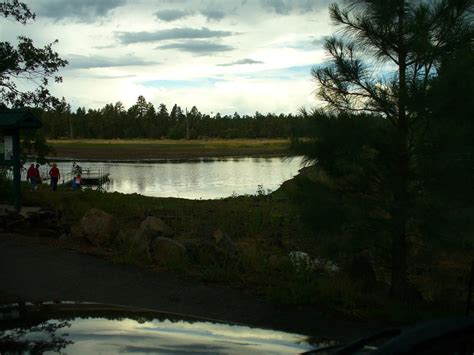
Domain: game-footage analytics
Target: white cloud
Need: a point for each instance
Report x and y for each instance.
(252, 55)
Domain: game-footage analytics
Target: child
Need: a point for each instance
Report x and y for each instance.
(76, 184)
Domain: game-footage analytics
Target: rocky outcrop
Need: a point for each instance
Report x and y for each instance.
(98, 227)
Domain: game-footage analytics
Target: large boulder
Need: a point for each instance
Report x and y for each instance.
(223, 241)
(167, 252)
(97, 226)
(151, 228)
(303, 262)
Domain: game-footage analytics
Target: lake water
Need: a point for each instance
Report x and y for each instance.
(207, 178)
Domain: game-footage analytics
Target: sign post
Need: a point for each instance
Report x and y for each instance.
(11, 123)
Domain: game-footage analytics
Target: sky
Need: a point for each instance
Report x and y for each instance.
(219, 55)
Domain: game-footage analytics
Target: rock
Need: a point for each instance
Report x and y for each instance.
(192, 249)
(168, 252)
(302, 261)
(151, 228)
(98, 227)
(223, 241)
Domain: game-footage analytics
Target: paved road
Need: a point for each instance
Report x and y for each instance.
(40, 273)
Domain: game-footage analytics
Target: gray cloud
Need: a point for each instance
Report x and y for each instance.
(285, 7)
(213, 14)
(84, 10)
(241, 62)
(197, 47)
(171, 15)
(88, 62)
(174, 33)
(319, 42)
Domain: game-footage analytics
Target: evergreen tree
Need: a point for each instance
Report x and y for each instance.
(413, 37)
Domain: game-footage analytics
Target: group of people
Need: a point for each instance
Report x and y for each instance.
(34, 176)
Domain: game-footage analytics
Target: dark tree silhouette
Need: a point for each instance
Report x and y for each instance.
(382, 63)
(26, 63)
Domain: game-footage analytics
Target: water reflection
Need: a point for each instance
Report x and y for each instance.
(91, 328)
(166, 336)
(195, 179)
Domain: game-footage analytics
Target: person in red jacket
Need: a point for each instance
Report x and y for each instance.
(31, 176)
(55, 175)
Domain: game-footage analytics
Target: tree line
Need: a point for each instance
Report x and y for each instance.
(144, 120)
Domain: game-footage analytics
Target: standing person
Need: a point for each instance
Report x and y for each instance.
(55, 175)
(76, 184)
(37, 175)
(30, 175)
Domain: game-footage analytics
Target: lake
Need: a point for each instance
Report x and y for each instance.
(206, 178)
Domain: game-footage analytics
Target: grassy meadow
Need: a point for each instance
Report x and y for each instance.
(166, 148)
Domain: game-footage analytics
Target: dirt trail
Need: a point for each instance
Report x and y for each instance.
(42, 273)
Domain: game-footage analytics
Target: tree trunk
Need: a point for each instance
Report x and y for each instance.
(401, 203)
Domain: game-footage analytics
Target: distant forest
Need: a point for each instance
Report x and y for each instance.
(144, 120)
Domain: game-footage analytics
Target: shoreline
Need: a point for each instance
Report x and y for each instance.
(177, 159)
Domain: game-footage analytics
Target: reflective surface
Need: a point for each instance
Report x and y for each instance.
(195, 179)
(100, 335)
(91, 329)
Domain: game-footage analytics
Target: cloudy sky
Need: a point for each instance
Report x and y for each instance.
(220, 55)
